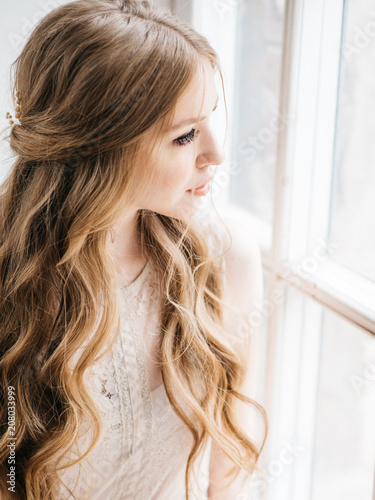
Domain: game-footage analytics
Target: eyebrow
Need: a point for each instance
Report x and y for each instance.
(192, 120)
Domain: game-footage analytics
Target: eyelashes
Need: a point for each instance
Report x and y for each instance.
(190, 136)
(186, 139)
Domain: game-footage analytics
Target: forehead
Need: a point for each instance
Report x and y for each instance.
(197, 99)
(200, 96)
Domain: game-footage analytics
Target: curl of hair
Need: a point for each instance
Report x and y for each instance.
(94, 76)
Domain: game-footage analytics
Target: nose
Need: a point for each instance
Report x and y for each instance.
(211, 153)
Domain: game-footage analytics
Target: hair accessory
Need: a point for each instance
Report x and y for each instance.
(18, 114)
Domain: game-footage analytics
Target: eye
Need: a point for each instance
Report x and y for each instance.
(186, 139)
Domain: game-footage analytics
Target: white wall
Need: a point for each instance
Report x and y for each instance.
(17, 19)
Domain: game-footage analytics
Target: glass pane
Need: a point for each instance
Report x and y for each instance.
(344, 455)
(260, 27)
(353, 200)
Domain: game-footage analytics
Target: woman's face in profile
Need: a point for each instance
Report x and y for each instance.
(182, 163)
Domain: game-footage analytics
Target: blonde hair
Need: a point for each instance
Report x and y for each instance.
(94, 76)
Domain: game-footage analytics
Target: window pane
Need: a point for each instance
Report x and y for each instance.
(353, 200)
(345, 432)
(260, 26)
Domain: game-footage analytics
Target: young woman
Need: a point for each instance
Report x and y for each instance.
(123, 364)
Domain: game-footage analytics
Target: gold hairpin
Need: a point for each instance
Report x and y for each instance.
(18, 113)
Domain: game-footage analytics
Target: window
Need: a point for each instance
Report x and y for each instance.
(300, 80)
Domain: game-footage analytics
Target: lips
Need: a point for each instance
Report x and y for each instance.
(202, 185)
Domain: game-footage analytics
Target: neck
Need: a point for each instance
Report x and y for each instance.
(124, 242)
(125, 246)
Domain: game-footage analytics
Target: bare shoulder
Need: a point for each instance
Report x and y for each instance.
(243, 263)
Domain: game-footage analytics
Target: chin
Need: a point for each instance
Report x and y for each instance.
(183, 212)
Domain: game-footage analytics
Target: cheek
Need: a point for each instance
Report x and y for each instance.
(167, 177)
(175, 173)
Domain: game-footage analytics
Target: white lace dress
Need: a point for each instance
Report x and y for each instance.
(143, 451)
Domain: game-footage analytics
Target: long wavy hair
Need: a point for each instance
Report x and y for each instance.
(94, 76)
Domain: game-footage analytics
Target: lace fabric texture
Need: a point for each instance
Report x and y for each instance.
(144, 447)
